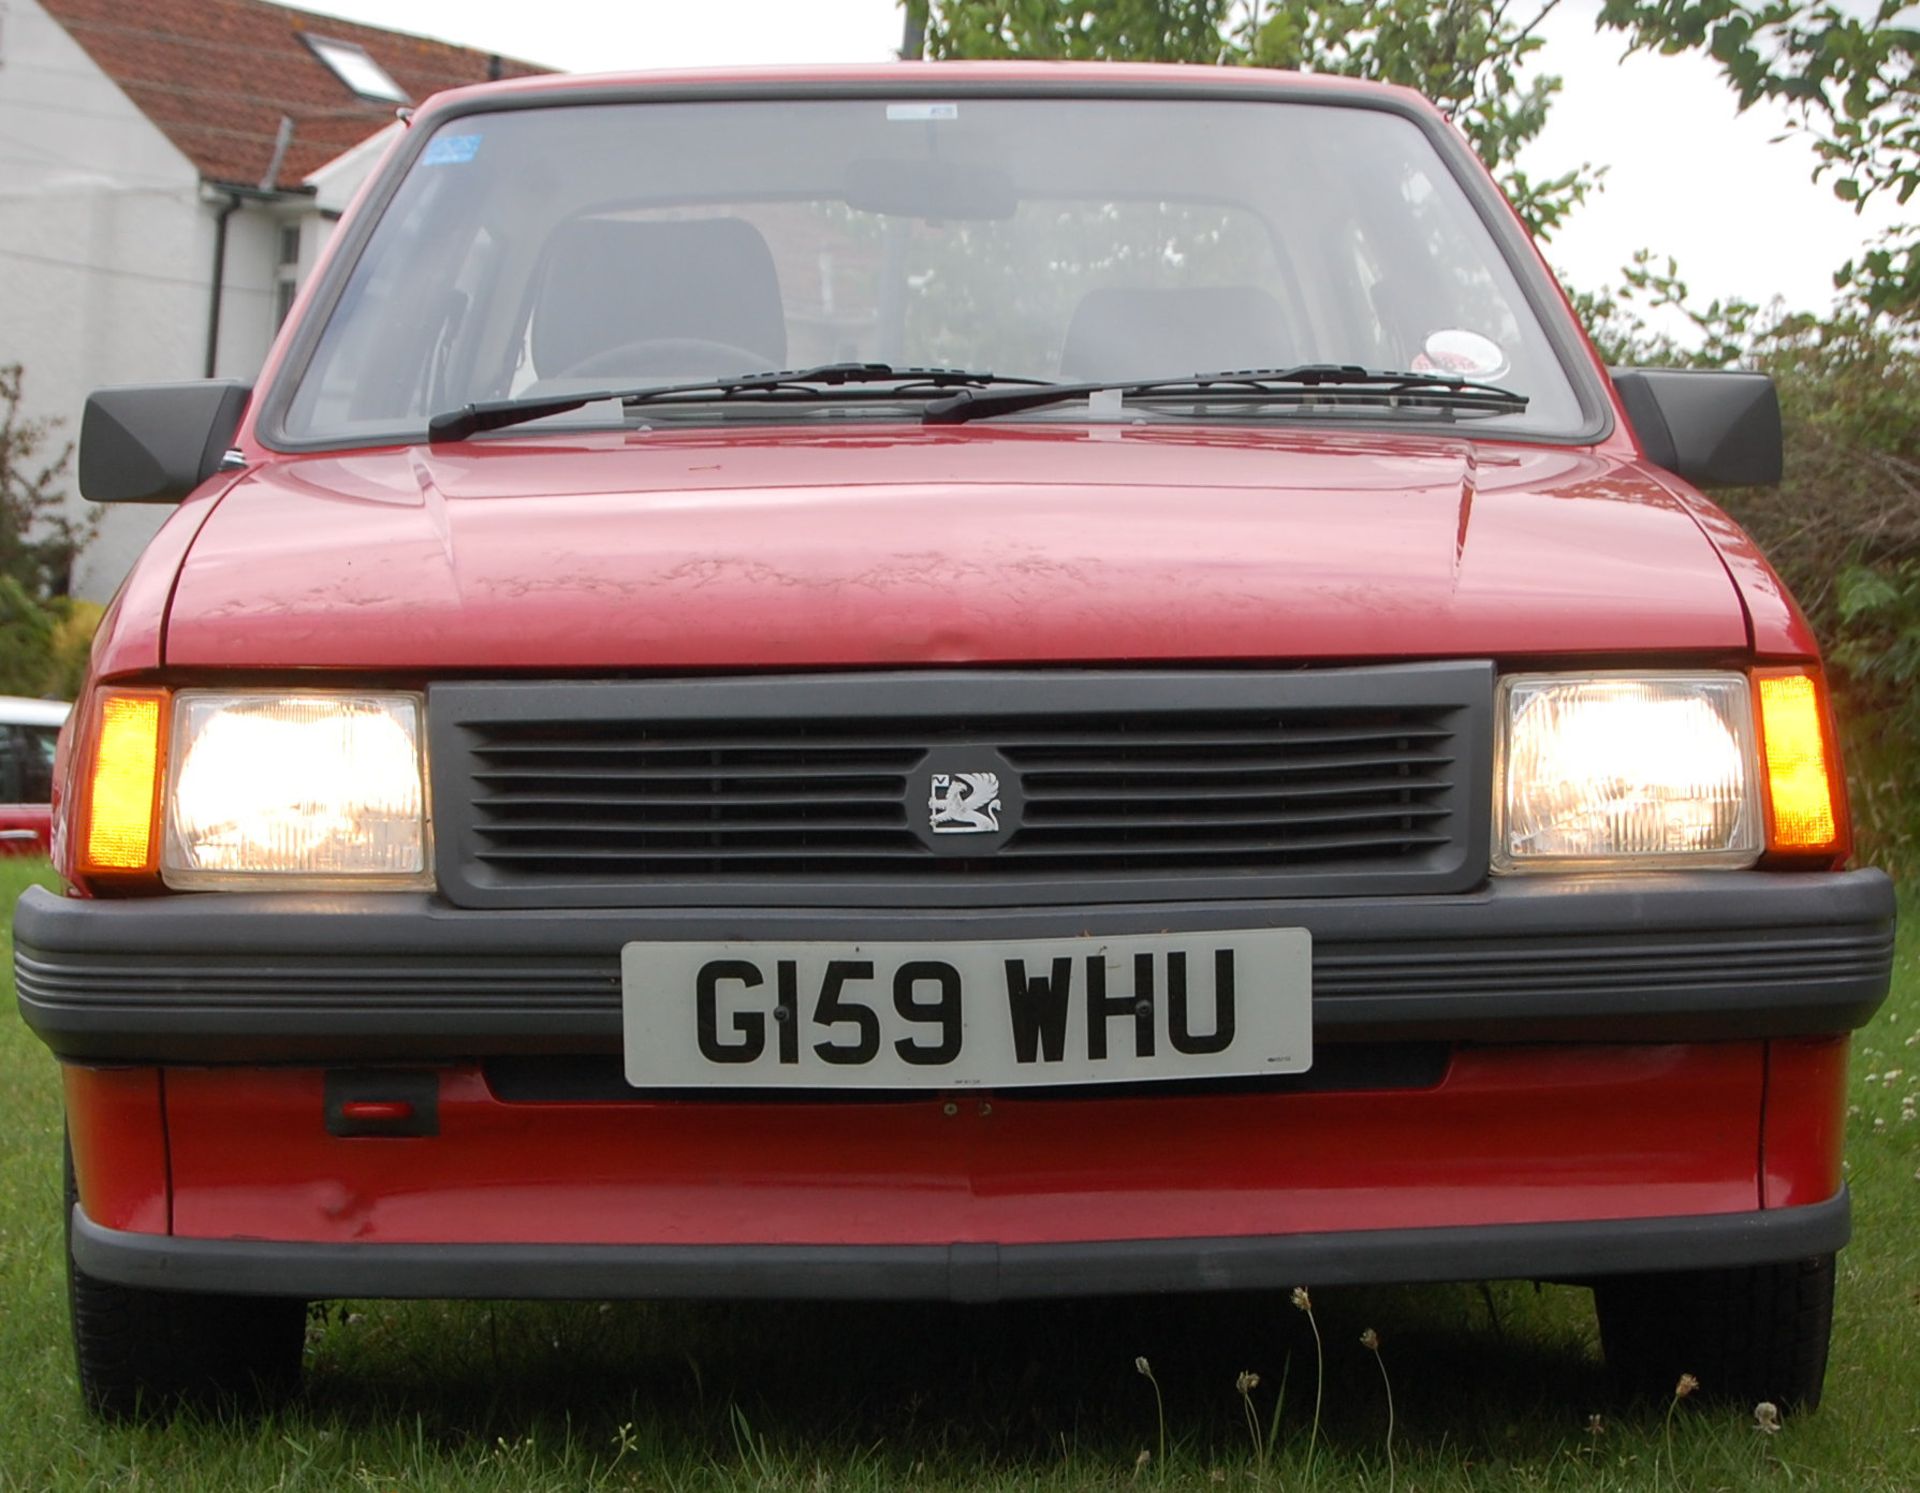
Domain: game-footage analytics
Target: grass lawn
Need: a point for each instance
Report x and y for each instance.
(1494, 1390)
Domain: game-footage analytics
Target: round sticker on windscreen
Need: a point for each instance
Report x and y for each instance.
(1458, 351)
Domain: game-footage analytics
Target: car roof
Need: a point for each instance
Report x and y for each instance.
(18, 710)
(918, 78)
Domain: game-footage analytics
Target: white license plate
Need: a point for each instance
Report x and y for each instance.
(976, 1014)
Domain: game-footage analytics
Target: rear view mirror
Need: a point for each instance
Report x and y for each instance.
(1713, 427)
(155, 443)
(933, 189)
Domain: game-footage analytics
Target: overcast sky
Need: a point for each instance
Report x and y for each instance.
(1687, 175)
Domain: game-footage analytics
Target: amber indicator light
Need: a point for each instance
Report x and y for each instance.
(123, 788)
(1800, 784)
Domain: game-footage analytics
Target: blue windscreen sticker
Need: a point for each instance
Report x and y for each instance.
(451, 150)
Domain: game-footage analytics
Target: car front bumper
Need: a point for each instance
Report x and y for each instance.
(972, 1272)
(234, 978)
(1548, 1078)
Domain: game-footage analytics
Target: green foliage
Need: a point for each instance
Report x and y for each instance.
(1848, 78)
(38, 543)
(43, 644)
(1717, 335)
(1881, 607)
(1139, 30)
(1466, 56)
(1886, 277)
(43, 634)
(1843, 528)
(26, 639)
(76, 623)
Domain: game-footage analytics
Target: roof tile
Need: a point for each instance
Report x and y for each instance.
(217, 77)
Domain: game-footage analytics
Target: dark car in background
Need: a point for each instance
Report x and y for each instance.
(29, 732)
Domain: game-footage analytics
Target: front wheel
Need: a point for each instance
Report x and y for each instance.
(1759, 1332)
(140, 1351)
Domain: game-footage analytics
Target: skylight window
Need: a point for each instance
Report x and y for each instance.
(352, 66)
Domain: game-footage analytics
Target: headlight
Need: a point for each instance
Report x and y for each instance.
(1609, 770)
(295, 790)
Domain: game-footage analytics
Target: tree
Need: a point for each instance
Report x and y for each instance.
(1137, 30)
(26, 640)
(1843, 528)
(1849, 83)
(38, 542)
(1465, 55)
(44, 632)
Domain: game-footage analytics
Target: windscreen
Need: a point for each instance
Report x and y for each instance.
(546, 251)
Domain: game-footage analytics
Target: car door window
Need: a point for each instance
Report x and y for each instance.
(37, 745)
(10, 759)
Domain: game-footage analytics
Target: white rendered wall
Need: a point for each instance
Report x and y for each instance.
(101, 234)
(335, 184)
(106, 255)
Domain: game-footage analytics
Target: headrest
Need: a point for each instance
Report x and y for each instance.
(612, 281)
(1125, 333)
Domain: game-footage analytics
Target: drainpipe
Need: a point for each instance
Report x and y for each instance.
(231, 207)
(280, 143)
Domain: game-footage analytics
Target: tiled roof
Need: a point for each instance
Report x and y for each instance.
(217, 77)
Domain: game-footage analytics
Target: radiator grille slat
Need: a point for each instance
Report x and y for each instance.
(1041, 769)
(587, 793)
(772, 771)
(1223, 798)
(1163, 848)
(618, 740)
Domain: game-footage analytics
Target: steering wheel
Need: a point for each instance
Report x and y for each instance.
(650, 355)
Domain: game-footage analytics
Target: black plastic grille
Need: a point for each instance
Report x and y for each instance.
(705, 798)
(815, 790)
(1271, 789)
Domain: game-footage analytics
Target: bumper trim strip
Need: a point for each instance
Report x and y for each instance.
(243, 977)
(971, 1272)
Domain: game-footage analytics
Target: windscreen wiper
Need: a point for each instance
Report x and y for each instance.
(802, 383)
(1309, 383)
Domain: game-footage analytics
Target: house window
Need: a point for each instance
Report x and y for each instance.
(286, 273)
(353, 67)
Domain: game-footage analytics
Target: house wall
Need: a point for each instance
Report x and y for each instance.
(106, 254)
(101, 234)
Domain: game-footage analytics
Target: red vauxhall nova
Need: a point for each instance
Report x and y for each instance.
(1191, 738)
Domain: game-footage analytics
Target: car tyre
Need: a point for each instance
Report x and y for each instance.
(1755, 1333)
(142, 1351)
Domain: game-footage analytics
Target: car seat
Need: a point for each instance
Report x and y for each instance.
(621, 297)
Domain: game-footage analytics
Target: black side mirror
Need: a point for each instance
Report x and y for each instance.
(155, 443)
(1715, 428)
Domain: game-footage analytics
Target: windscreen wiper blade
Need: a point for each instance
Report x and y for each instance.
(1240, 386)
(497, 414)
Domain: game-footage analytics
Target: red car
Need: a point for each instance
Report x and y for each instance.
(1191, 737)
(28, 731)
